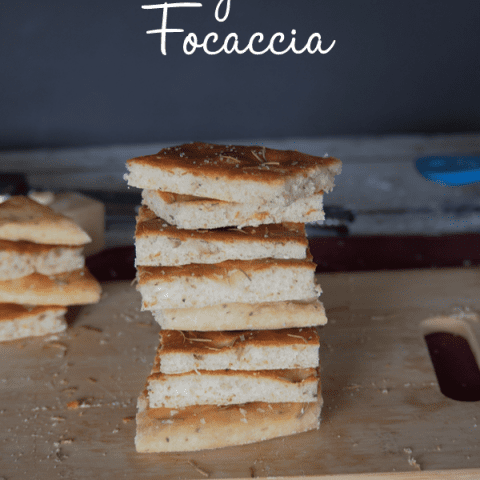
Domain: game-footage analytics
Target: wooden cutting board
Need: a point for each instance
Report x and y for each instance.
(383, 411)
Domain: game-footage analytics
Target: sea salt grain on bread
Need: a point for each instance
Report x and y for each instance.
(181, 352)
(208, 426)
(71, 288)
(242, 316)
(249, 281)
(189, 212)
(227, 387)
(234, 173)
(158, 243)
(19, 259)
(18, 321)
(24, 219)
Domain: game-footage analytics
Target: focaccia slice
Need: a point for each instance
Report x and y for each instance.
(252, 174)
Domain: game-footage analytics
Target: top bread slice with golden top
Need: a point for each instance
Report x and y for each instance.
(245, 174)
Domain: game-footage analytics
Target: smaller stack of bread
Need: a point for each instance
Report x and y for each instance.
(223, 264)
(42, 269)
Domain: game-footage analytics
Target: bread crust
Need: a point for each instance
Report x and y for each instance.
(220, 272)
(284, 376)
(24, 219)
(25, 247)
(214, 343)
(12, 311)
(234, 173)
(71, 288)
(211, 160)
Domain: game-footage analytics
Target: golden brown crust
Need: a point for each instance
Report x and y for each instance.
(13, 311)
(235, 162)
(218, 271)
(292, 375)
(201, 343)
(149, 224)
(71, 288)
(202, 411)
(170, 198)
(33, 248)
(24, 219)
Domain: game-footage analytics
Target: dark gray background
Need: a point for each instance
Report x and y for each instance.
(86, 73)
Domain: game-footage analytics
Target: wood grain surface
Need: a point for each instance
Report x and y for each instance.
(67, 402)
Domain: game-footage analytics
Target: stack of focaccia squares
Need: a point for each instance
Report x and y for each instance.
(223, 264)
(42, 269)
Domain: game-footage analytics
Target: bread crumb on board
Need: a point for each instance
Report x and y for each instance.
(73, 405)
(82, 403)
(198, 469)
(411, 460)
